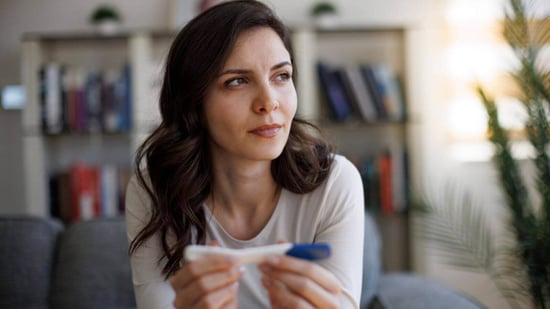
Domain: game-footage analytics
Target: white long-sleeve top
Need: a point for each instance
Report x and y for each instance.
(333, 213)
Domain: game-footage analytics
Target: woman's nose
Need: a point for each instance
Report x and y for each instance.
(265, 101)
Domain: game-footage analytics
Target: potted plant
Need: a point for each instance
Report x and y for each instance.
(324, 14)
(106, 19)
(519, 264)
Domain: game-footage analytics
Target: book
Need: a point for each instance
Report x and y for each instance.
(391, 91)
(109, 190)
(50, 76)
(358, 90)
(73, 84)
(124, 96)
(334, 92)
(87, 191)
(85, 203)
(92, 90)
(70, 99)
(74, 99)
(400, 180)
(116, 100)
(343, 80)
(375, 89)
(371, 183)
(64, 96)
(60, 196)
(386, 183)
(109, 112)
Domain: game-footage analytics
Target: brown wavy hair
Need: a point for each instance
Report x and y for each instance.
(177, 174)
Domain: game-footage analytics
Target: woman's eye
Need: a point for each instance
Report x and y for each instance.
(283, 76)
(234, 82)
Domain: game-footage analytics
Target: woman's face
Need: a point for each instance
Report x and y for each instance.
(249, 107)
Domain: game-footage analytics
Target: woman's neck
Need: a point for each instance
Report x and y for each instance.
(243, 198)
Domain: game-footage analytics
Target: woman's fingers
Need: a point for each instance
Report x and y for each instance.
(217, 299)
(281, 297)
(213, 281)
(304, 268)
(207, 283)
(286, 278)
(303, 287)
(196, 269)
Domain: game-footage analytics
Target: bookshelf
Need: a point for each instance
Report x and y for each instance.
(144, 52)
(55, 151)
(360, 140)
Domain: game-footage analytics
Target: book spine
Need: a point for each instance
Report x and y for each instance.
(371, 184)
(93, 102)
(393, 99)
(125, 100)
(375, 90)
(361, 93)
(84, 192)
(386, 183)
(52, 104)
(109, 190)
(109, 112)
(334, 93)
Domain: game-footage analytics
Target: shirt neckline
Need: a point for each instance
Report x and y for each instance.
(211, 219)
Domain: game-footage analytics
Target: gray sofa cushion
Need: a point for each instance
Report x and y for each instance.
(26, 255)
(407, 291)
(93, 267)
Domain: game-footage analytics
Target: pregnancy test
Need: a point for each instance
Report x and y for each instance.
(255, 255)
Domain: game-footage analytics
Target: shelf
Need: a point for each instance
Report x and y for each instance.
(85, 35)
(377, 148)
(84, 53)
(145, 52)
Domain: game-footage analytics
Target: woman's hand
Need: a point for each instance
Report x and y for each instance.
(295, 283)
(211, 282)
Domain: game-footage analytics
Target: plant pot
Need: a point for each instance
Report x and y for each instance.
(326, 20)
(107, 27)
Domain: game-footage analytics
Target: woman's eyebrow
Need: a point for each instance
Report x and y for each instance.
(245, 71)
(280, 65)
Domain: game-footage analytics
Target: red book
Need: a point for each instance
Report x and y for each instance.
(386, 192)
(84, 192)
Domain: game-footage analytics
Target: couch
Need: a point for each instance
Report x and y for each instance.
(45, 264)
(80, 266)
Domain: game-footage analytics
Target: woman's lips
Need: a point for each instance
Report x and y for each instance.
(267, 130)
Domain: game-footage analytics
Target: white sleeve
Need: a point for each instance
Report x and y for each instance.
(342, 226)
(151, 290)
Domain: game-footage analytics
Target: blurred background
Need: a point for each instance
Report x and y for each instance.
(435, 49)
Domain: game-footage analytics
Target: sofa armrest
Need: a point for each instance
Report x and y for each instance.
(27, 253)
(400, 291)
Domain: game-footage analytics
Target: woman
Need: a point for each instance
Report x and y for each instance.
(231, 165)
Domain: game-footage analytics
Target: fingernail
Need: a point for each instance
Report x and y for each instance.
(273, 259)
